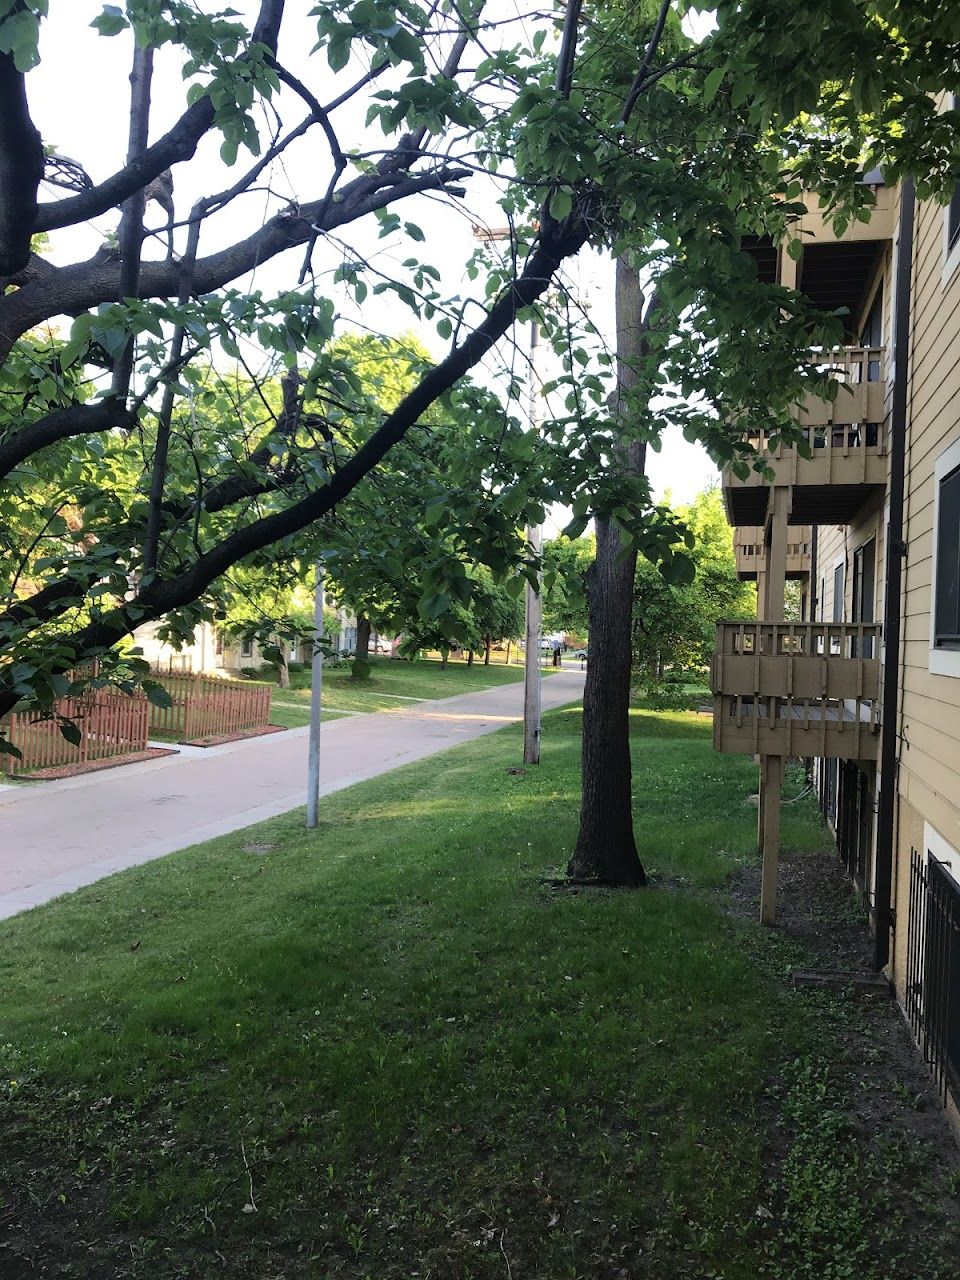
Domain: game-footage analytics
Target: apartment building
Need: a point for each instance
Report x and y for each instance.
(867, 686)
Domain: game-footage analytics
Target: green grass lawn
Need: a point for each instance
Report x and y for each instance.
(394, 684)
(388, 1050)
(294, 713)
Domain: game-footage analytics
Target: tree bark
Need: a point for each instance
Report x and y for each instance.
(486, 651)
(362, 651)
(283, 671)
(606, 849)
(469, 657)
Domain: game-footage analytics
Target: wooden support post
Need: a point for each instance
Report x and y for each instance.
(771, 779)
(771, 767)
(775, 548)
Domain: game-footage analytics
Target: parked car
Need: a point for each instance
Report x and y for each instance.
(582, 654)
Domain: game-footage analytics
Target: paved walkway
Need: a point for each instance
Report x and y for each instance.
(57, 836)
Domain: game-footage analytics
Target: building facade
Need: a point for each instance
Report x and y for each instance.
(867, 687)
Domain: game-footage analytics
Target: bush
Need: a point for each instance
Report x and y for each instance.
(663, 697)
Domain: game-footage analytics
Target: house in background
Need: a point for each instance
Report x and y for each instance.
(867, 687)
(212, 651)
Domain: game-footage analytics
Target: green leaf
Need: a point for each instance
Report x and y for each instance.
(111, 22)
(71, 732)
(561, 202)
(712, 83)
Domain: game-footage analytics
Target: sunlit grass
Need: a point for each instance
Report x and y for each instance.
(410, 1054)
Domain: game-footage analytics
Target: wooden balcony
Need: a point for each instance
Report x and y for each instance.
(751, 559)
(797, 689)
(843, 458)
(813, 227)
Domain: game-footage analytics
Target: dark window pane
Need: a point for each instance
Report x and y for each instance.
(947, 606)
(953, 217)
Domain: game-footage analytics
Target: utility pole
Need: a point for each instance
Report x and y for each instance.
(532, 675)
(533, 611)
(316, 689)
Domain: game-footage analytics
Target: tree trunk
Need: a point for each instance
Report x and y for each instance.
(486, 650)
(283, 671)
(363, 637)
(469, 657)
(507, 660)
(444, 655)
(606, 851)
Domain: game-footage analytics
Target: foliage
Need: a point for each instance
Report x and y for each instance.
(565, 562)
(673, 625)
(155, 421)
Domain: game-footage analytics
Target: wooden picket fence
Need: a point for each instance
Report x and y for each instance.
(208, 706)
(109, 723)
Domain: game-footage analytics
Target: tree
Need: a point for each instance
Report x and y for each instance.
(674, 623)
(644, 143)
(565, 562)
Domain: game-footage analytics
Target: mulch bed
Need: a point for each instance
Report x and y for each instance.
(218, 739)
(94, 766)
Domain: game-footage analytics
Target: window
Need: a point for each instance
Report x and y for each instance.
(246, 648)
(945, 587)
(953, 219)
(838, 593)
(864, 577)
(951, 226)
(871, 335)
(946, 619)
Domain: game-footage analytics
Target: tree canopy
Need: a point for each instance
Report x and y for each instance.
(674, 623)
(125, 497)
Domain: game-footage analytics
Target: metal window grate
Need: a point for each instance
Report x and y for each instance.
(933, 969)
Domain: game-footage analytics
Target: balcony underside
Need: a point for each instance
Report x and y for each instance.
(811, 504)
(783, 727)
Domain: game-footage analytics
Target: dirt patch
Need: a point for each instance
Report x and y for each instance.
(816, 906)
(218, 739)
(95, 766)
(868, 1087)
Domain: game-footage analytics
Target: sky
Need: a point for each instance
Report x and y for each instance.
(79, 95)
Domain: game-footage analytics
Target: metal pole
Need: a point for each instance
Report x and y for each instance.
(532, 674)
(316, 688)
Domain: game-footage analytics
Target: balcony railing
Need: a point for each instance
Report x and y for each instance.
(750, 553)
(845, 446)
(797, 689)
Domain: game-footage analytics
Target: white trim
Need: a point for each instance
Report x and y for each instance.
(934, 845)
(951, 257)
(941, 662)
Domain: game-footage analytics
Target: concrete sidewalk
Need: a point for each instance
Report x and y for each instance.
(57, 836)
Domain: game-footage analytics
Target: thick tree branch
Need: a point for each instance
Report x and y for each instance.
(21, 168)
(158, 597)
(179, 143)
(61, 424)
(131, 224)
(87, 284)
(50, 601)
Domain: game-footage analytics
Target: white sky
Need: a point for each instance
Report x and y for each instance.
(79, 98)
